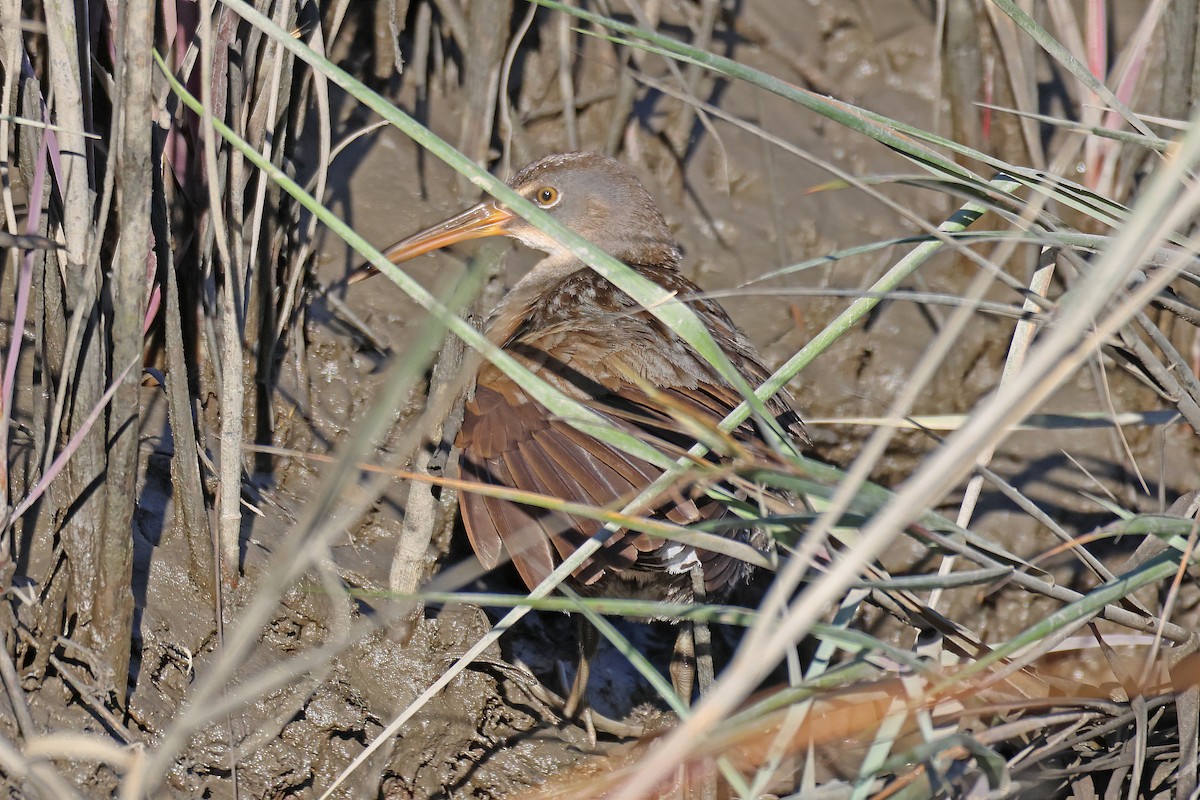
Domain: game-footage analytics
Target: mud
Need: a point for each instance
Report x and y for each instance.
(740, 209)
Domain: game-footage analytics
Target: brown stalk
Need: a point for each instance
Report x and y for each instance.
(89, 548)
(191, 520)
(231, 388)
(115, 606)
(484, 54)
(692, 75)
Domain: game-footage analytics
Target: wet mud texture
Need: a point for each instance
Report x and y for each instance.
(740, 209)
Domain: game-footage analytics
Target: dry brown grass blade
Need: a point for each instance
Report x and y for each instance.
(845, 721)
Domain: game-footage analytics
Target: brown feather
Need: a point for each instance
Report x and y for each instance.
(586, 337)
(593, 342)
(590, 340)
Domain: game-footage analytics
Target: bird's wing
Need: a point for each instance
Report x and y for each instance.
(510, 440)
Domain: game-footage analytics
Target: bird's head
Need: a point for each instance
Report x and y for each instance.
(595, 196)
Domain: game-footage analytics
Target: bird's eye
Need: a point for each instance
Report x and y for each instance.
(546, 196)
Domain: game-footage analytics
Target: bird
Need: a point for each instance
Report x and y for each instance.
(572, 327)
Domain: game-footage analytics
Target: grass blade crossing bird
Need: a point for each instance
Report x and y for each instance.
(580, 333)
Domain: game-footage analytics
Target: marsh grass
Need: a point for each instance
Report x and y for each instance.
(184, 238)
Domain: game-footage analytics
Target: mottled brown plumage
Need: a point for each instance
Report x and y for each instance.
(580, 333)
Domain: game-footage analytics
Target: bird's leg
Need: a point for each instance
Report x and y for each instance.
(576, 705)
(692, 659)
(701, 778)
(683, 663)
(588, 640)
(702, 636)
(698, 780)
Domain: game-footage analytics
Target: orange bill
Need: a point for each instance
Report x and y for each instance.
(486, 219)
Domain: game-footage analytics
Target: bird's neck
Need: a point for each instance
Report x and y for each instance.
(529, 293)
(512, 312)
